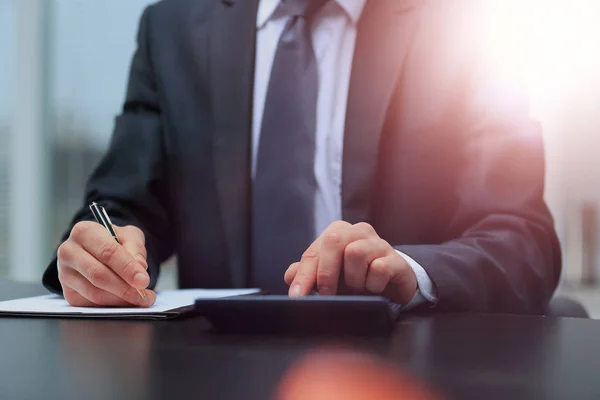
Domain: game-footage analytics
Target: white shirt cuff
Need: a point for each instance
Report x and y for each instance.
(425, 289)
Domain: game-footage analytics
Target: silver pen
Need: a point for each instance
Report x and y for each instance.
(103, 219)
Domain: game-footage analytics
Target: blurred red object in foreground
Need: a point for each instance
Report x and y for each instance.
(328, 375)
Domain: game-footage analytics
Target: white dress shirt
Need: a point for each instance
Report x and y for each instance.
(333, 36)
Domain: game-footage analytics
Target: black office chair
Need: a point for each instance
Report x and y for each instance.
(562, 306)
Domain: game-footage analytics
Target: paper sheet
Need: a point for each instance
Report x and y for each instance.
(165, 301)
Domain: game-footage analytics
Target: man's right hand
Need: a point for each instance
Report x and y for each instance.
(96, 271)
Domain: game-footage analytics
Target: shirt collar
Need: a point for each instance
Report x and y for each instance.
(353, 8)
(266, 9)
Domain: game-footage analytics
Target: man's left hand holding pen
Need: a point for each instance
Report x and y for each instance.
(95, 270)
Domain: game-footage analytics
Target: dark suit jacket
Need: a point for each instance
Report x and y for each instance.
(439, 153)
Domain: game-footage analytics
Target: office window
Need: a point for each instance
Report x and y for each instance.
(93, 41)
(81, 65)
(91, 49)
(6, 96)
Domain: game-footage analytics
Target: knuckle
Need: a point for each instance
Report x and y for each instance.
(354, 251)
(64, 251)
(302, 276)
(135, 232)
(332, 238)
(140, 249)
(293, 266)
(140, 234)
(339, 225)
(384, 242)
(309, 254)
(365, 227)
(380, 267)
(80, 230)
(98, 277)
(129, 267)
(128, 294)
(326, 277)
(108, 251)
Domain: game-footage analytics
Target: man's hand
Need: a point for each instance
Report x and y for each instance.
(367, 263)
(95, 270)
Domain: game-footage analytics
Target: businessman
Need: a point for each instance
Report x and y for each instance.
(347, 146)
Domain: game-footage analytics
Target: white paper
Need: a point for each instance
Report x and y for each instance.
(165, 301)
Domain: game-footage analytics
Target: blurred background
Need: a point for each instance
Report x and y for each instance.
(63, 71)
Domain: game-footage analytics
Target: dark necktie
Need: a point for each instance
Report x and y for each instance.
(284, 187)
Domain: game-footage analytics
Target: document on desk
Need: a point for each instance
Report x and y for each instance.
(169, 304)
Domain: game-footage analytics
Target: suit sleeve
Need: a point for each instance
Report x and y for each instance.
(130, 181)
(501, 252)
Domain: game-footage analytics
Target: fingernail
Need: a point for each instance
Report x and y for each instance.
(140, 279)
(296, 291)
(141, 260)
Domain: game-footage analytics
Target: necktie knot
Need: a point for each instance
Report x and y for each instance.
(302, 8)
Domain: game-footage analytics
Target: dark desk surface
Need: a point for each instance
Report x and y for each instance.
(464, 356)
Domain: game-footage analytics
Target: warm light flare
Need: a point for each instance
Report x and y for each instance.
(550, 44)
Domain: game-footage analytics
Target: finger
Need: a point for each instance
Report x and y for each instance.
(403, 283)
(103, 277)
(134, 241)
(306, 272)
(331, 254)
(98, 297)
(379, 274)
(75, 299)
(357, 258)
(291, 273)
(73, 280)
(364, 230)
(97, 241)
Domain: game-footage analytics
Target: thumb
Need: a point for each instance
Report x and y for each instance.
(134, 241)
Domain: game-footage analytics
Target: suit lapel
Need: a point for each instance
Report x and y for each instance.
(383, 40)
(231, 41)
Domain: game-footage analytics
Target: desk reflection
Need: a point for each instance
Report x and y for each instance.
(470, 355)
(95, 352)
